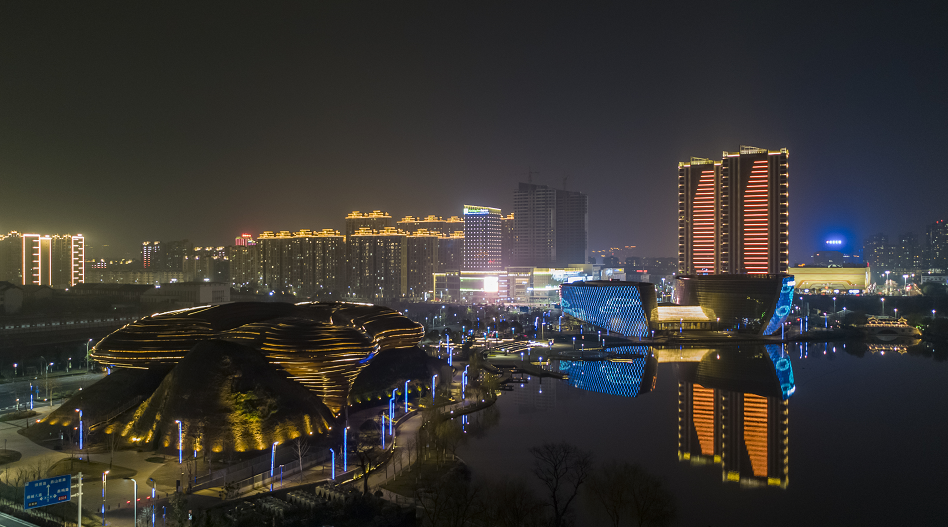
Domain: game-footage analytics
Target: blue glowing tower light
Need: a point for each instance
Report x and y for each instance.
(782, 309)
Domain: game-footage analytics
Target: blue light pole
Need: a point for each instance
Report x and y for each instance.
(435, 376)
(345, 450)
(80, 429)
(273, 454)
(332, 464)
(180, 444)
(406, 396)
(392, 411)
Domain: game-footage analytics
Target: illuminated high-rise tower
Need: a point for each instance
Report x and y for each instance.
(732, 214)
(699, 217)
(482, 239)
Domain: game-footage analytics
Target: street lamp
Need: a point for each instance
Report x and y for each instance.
(834, 306)
(180, 444)
(87, 355)
(103, 496)
(134, 501)
(273, 453)
(883, 306)
(80, 432)
(904, 283)
(406, 395)
(435, 376)
(886, 282)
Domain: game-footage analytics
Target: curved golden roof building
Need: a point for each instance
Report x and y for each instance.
(321, 345)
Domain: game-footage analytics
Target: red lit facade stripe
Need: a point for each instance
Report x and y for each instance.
(703, 224)
(756, 212)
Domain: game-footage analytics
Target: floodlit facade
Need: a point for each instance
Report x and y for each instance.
(733, 214)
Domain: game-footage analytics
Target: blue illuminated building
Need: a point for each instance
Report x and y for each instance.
(622, 307)
(625, 377)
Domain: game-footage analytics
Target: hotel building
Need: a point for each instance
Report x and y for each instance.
(482, 239)
(733, 214)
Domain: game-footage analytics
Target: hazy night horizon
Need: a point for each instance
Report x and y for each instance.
(129, 123)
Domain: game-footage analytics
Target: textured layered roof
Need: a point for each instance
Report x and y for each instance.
(322, 345)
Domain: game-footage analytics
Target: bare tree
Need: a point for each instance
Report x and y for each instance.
(510, 503)
(301, 448)
(365, 445)
(451, 501)
(627, 491)
(562, 468)
(112, 443)
(410, 445)
(448, 436)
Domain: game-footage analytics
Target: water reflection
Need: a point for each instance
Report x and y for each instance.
(632, 372)
(733, 412)
(733, 407)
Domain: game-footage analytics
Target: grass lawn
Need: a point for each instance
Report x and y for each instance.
(423, 474)
(74, 466)
(22, 414)
(9, 456)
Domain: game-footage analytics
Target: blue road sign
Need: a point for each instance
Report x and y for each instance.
(49, 491)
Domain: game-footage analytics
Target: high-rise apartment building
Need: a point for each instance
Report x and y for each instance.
(375, 220)
(451, 251)
(423, 262)
(378, 264)
(11, 258)
(165, 256)
(877, 252)
(244, 265)
(57, 261)
(68, 254)
(304, 263)
(244, 240)
(550, 226)
(482, 239)
(936, 245)
(206, 264)
(733, 214)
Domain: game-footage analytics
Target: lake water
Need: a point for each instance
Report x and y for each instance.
(740, 438)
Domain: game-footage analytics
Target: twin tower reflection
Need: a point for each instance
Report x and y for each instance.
(732, 403)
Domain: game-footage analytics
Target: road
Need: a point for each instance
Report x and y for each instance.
(9, 392)
(9, 521)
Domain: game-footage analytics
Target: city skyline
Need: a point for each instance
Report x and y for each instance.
(137, 123)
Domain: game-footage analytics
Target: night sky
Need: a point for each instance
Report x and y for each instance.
(151, 120)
